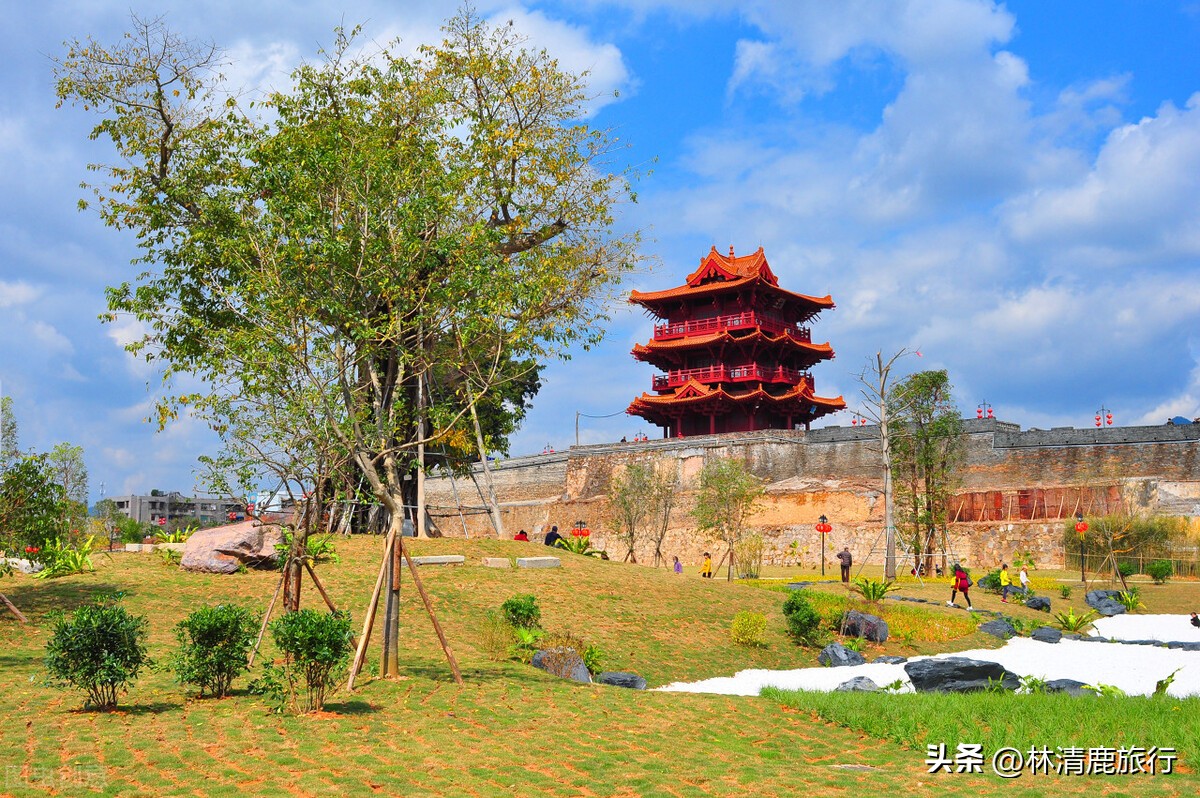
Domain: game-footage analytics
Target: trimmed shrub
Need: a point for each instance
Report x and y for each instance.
(214, 643)
(1127, 569)
(1160, 571)
(803, 621)
(522, 611)
(100, 649)
(316, 649)
(748, 629)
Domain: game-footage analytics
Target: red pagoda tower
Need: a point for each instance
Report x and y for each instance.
(735, 350)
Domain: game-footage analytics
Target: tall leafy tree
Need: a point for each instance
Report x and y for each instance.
(926, 452)
(630, 497)
(725, 502)
(32, 505)
(69, 470)
(9, 448)
(362, 270)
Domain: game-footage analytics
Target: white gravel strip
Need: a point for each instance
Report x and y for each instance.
(1134, 669)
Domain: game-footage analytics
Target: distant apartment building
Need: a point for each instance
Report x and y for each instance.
(174, 506)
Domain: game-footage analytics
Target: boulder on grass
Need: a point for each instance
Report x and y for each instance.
(998, 628)
(835, 655)
(1038, 603)
(1046, 634)
(1068, 686)
(565, 663)
(1105, 602)
(860, 624)
(959, 675)
(225, 549)
(622, 679)
(859, 684)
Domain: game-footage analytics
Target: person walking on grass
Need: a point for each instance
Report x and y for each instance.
(846, 559)
(961, 584)
(1005, 582)
(706, 570)
(1025, 580)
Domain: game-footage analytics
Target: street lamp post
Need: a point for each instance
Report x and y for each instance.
(984, 410)
(1081, 527)
(824, 528)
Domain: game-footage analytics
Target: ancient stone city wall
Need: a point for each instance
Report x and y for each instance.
(1017, 488)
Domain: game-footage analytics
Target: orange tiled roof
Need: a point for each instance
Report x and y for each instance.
(702, 393)
(726, 336)
(735, 271)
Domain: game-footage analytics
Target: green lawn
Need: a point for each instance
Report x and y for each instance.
(509, 729)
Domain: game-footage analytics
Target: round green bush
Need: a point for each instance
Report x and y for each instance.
(1160, 571)
(100, 649)
(317, 647)
(749, 629)
(522, 611)
(803, 622)
(214, 643)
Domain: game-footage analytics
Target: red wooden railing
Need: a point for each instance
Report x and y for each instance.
(750, 372)
(736, 321)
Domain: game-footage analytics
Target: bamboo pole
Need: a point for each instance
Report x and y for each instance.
(14, 610)
(369, 620)
(437, 627)
(267, 618)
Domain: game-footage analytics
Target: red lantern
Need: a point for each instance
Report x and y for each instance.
(990, 413)
(1081, 527)
(823, 528)
(1108, 419)
(979, 412)
(162, 522)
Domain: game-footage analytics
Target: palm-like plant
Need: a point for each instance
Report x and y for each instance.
(873, 591)
(1070, 622)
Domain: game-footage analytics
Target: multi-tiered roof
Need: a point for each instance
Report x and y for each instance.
(736, 351)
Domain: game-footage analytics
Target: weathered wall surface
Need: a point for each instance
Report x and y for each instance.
(1016, 487)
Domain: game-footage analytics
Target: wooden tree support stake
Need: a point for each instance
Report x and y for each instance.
(267, 618)
(437, 627)
(14, 610)
(369, 619)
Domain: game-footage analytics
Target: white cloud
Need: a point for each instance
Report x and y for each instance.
(576, 51)
(50, 338)
(17, 292)
(1141, 198)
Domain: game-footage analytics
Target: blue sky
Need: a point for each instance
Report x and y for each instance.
(1013, 188)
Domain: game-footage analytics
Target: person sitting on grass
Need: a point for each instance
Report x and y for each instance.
(522, 535)
(1195, 620)
(552, 536)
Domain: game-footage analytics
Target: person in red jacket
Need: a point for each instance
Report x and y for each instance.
(961, 584)
(522, 535)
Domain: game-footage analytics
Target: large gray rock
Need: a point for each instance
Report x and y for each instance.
(998, 628)
(1068, 686)
(564, 663)
(622, 679)
(1105, 602)
(959, 675)
(891, 659)
(1046, 634)
(1038, 603)
(859, 684)
(860, 624)
(224, 549)
(835, 655)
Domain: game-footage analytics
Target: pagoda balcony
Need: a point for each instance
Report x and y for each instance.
(711, 375)
(747, 320)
